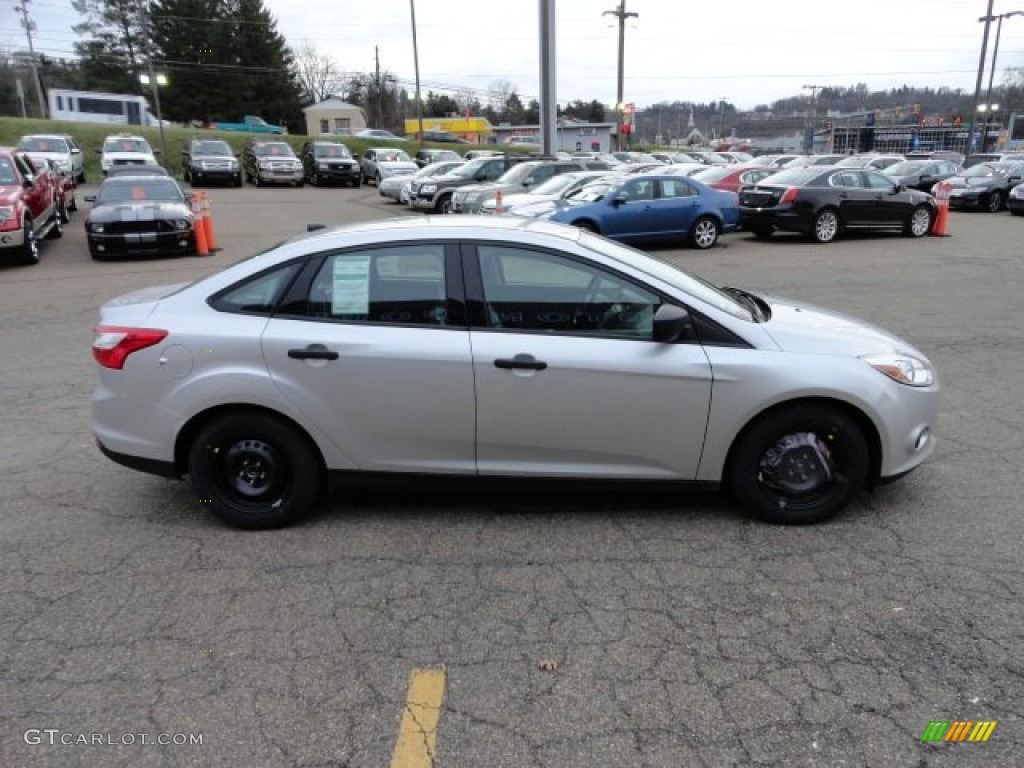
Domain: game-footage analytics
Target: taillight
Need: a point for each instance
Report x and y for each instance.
(111, 345)
(788, 196)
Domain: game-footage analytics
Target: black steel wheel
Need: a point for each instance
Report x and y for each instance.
(254, 471)
(799, 465)
(995, 202)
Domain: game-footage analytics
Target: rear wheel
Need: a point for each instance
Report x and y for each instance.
(799, 465)
(826, 226)
(254, 471)
(995, 202)
(703, 233)
(920, 222)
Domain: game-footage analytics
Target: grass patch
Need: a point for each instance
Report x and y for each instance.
(90, 138)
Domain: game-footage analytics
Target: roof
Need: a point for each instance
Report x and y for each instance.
(332, 103)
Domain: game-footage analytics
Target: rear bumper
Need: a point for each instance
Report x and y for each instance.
(786, 219)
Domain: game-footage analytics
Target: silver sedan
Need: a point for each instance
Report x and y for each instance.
(498, 346)
(397, 187)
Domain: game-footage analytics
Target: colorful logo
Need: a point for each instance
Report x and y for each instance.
(958, 730)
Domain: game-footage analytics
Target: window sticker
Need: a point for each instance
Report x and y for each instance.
(351, 294)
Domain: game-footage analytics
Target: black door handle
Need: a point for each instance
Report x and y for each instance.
(521, 362)
(313, 352)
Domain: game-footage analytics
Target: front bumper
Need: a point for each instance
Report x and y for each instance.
(338, 175)
(279, 175)
(142, 243)
(14, 238)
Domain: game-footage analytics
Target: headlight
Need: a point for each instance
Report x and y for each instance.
(903, 369)
(7, 213)
(181, 224)
(428, 189)
(97, 228)
(264, 164)
(321, 166)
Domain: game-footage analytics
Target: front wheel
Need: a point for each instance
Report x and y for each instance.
(703, 233)
(995, 202)
(444, 205)
(826, 226)
(29, 251)
(799, 465)
(254, 471)
(920, 223)
(586, 226)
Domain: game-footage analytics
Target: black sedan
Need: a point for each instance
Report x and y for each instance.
(984, 187)
(822, 202)
(139, 215)
(922, 174)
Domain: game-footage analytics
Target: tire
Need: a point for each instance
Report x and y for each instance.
(254, 471)
(81, 177)
(56, 230)
(355, 183)
(28, 253)
(376, 180)
(587, 226)
(920, 222)
(704, 233)
(762, 233)
(63, 214)
(995, 202)
(300, 184)
(826, 226)
(238, 182)
(799, 465)
(74, 204)
(444, 205)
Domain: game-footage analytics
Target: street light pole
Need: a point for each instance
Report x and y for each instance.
(809, 129)
(621, 15)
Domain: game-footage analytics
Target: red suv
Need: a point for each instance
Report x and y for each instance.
(29, 205)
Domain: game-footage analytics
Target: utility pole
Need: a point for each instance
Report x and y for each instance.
(30, 26)
(380, 97)
(987, 18)
(809, 125)
(154, 82)
(621, 15)
(416, 64)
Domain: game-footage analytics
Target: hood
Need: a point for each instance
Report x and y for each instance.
(980, 181)
(798, 327)
(398, 164)
(141, 211)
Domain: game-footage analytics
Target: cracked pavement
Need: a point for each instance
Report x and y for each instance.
(685, 634)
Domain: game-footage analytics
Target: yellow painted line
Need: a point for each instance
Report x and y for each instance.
(417, 732)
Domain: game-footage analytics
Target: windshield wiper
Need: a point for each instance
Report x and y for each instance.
(758, 308)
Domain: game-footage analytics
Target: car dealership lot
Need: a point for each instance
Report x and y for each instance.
(682, 632)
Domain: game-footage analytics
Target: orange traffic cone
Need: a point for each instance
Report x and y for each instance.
(198, 228)
(211, 241)
(942, 210)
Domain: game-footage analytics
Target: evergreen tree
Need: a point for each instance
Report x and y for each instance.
(190, 42)
(111, 52)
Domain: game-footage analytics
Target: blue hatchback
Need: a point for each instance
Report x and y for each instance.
(646, 207)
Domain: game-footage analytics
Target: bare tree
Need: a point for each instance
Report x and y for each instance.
(317, 74)
(498, 94)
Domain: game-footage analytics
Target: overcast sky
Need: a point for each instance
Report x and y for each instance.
(748, 52)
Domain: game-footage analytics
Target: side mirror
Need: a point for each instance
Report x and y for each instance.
(76, 151)
(618, 200)
(29, 180)
(90, 198)
(672, 323)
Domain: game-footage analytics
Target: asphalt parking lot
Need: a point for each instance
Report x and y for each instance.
(566, 628)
